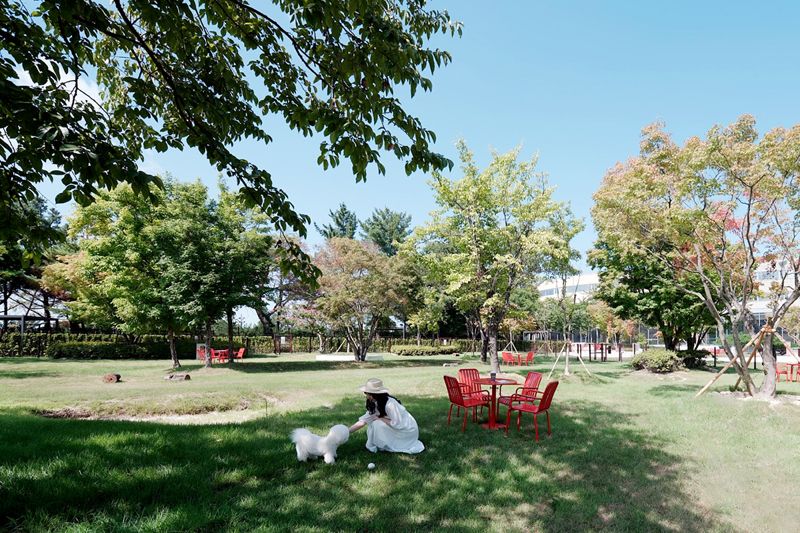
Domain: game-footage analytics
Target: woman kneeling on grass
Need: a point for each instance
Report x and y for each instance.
(390, 427)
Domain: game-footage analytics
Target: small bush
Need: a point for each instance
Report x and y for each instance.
(413, 349)
(657, 360)
(694, 358)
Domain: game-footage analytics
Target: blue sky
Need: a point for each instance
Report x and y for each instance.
(572, 81)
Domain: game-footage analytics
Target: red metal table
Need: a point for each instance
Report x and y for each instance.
(492, 424)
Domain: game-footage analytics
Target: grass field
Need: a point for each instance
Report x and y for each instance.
(629, 451)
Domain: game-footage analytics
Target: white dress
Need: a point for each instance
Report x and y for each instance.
(401, 434)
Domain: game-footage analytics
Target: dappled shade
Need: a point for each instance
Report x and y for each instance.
(596, 471)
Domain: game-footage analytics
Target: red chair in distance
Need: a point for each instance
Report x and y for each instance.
(781, 369)
(458, 399)
(240, 353)
(529, 388)
(524, 404)
(508, 358)
(529, 358)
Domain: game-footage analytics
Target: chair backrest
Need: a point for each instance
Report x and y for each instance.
(240, 353)
(529, 358)
(547, 396)
(781, 367)
(453, 390)
(532, 380)
(467, 376)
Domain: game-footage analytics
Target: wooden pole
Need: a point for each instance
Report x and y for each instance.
(729, 364)
(788, 346)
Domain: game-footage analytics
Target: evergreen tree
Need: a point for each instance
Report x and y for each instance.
(387, 229)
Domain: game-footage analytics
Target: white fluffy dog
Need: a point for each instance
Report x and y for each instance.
(310, 445)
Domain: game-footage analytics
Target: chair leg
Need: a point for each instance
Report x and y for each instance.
(519, 419)
(548, 422)
(464, 425)
(508, 419)
(474, 414)
(450, 412)
(535, 427)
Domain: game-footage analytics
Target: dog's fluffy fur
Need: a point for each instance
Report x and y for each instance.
(311, 445)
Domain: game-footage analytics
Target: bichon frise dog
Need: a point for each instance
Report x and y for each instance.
(310, 445)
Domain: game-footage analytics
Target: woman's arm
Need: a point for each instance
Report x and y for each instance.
(358, 425)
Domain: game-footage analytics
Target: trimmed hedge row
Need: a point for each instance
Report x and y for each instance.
(117, 350)
(413, 349)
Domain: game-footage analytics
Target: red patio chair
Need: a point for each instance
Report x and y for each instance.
(781, 369)
(458, 399)
(524, 404)
(466, 380)
(507, 358)
(240, 353)
(220, 355)
(529, 388)
(529, 359)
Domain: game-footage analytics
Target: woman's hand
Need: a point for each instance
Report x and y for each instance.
(358, 425)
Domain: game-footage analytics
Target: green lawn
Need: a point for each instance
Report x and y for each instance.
(629, 451)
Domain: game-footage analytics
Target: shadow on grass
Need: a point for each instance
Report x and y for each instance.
(22, 374)
(304, 366)
(688, 390)
(596, 471)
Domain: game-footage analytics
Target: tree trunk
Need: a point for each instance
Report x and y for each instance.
(769, 387)
(266, 322)
(209, 333)
(229, 313)
(321, 343)
(418, 336)
(485, 346)
(566, 355)
(491, 347)
(46, 306)
(172, 351)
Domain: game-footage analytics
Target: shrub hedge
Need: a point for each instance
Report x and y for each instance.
(694, 358)
(413, 349)
(117, 350)
(657, 360)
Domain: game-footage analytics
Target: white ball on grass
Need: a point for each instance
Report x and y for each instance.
(371, 466)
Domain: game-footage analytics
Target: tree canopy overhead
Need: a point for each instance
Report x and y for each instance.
(205, 74)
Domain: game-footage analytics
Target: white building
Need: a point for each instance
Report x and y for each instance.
(580, 286)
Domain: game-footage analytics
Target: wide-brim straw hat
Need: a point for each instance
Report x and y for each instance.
(374, 386)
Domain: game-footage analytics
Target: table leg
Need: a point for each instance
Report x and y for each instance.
(493, 412)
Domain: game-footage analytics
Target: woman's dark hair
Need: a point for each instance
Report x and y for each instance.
(379, 404)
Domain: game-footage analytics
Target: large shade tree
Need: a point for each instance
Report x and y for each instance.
(359, 287)
(643, 287)
(205, 74)
(728, 207)
(491, 232)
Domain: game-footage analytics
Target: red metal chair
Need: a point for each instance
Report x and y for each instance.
(529, 359)
(221, 356)
(458, 399)
(508, 358)
(524, 404)
(240, 353)
(466, 379)
(529, 388)
(781, 369)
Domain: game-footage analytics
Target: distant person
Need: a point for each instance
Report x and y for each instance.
(390, 427)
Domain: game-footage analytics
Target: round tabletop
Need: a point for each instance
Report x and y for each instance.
(496, 381)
